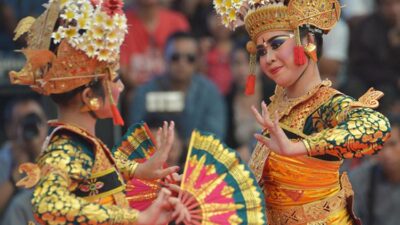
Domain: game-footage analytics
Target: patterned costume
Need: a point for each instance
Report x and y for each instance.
(80, 182)
(308, 189)
(333, 126)
(71, 45)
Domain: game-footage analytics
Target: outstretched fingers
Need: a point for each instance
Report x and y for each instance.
(168, 171)
(181, 213)
(263, 119)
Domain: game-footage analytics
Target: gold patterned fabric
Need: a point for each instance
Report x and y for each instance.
(308, 189)
(74, 159)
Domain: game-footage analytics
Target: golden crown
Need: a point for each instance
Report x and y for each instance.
(266, 15)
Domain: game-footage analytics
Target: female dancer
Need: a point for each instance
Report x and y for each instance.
(309, 126)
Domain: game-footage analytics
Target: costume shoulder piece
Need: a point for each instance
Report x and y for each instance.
(369, 100)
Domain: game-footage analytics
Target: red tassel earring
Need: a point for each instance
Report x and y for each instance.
(117, 118)
(299, 55)
(251, 78)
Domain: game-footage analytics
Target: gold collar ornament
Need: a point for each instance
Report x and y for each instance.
(259, 16)
(71, 44)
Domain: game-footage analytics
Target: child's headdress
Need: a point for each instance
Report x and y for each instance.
(71, 44)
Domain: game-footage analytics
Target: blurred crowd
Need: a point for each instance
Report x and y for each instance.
(178, 63)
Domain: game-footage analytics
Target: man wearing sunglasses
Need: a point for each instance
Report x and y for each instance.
(182, 94)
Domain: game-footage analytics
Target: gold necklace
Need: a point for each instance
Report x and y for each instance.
(283, 104)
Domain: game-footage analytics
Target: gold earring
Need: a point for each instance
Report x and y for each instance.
(94, 104)
(311, 51)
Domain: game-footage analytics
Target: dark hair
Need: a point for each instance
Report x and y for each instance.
(306, 29)
(65, 98)
(10, 105)
(180, 35)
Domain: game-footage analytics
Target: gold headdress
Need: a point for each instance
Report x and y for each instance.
(259, 16)
(72, 43)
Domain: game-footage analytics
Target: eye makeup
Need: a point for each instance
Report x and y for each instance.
(274, 43)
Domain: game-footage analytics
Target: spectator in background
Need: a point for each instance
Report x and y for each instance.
(7, 23)
(12, 11)
(218, 61)
(377, 183)
(357, 8)
(26, 129)
(197, 11)
(182, 94)
(334, 53)
(241, 123)
(375, 52)
(149, 25)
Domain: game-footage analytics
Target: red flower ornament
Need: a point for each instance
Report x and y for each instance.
(112, 7)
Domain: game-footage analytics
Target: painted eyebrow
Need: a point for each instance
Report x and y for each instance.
(270, 40)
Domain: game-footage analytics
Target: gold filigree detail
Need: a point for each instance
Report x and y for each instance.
(39, 36)
(370, 99)
(267, 19)
(269, 15)
(321, 13)
(23, 26)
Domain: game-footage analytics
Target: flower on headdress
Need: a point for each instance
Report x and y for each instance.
(82, 22)
(109, 23)
(120, 22)
(86, 6)
(218, 3)
(113, 36)
(98, 43)
(68, 15)
(99, 18)
(228, 9)
(57, 36)
(94, 2)
(77, 41)
(112, 45)
(64, 3)
(103, 54)
(98, 32)
(90, 50)
(232, 15)
(112, 7)
(74, 8)
(71, 32)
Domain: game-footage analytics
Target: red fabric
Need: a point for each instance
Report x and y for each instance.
(147, 48)
(219, 70)
(250, 84)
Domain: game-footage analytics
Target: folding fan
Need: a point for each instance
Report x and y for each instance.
(217, 187)
(139, 145)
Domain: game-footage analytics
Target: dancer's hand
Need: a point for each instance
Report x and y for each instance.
(153, 168)
(278, 141)
(164, 209)
(181, 212)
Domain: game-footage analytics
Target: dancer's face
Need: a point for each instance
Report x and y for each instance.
(275, 50)
(117, 87)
